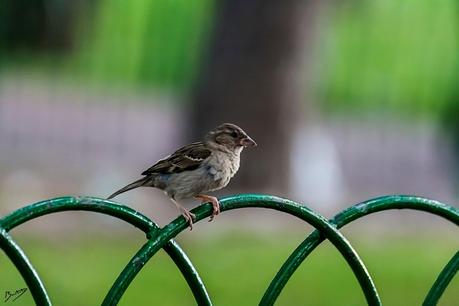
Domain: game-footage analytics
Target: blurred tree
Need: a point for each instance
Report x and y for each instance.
(450, 114)
(450, 125)
(252, 76)
(38, 24)
(22, 23)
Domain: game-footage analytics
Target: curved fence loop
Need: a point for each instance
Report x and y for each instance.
(122, 212)
(22, 263)
(345, 217)
(245, 201)
(442, 282)
(102, 206)
(158, 238)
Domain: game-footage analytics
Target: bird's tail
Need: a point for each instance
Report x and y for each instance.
(138, 183)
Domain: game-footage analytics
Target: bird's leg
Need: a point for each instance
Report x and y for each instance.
(189, 216)
(215, 204)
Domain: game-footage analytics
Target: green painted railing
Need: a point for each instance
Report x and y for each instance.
(158, 238)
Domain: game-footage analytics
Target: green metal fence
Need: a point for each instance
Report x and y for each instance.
(158, 238)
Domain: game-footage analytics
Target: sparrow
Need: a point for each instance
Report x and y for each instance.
(197, 168)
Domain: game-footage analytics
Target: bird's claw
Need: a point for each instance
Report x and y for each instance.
(215, 209)
(214, 201)
(189, 217)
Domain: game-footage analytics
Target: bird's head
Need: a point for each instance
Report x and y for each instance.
(229, 136)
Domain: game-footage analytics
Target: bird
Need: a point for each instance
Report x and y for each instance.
(197, 168)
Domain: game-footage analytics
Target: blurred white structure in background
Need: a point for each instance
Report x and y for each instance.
(317, 176)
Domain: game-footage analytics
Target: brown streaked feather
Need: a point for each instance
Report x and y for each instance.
(186, 158)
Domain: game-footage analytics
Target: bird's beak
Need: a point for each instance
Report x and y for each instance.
(248, 142)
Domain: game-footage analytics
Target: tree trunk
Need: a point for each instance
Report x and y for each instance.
(39, 24)
(253, 76)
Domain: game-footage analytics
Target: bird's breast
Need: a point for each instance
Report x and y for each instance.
(222, 167)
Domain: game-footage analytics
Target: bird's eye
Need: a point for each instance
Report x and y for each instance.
(234, 134)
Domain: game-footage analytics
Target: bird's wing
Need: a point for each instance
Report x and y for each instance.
(186, 158)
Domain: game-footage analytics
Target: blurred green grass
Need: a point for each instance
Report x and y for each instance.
(236, 268)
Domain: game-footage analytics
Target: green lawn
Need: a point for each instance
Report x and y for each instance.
(236, 268)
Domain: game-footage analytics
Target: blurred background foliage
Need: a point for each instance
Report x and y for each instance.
(391, 56)
(374, 55)
(163, 38)
(93, 92)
